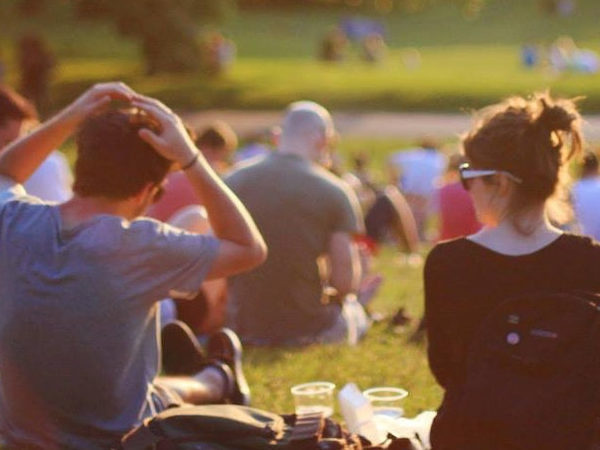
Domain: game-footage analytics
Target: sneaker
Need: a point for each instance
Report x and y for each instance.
(181, 351)
(225, 346)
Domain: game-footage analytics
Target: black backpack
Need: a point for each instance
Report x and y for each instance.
(233, 427)
(533, 375)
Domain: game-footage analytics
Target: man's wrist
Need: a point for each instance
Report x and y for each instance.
(69, 117)
(191, 162)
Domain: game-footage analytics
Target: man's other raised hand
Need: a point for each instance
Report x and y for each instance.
(96, 99)
(172, 141)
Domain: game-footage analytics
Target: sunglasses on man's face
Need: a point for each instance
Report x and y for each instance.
(467, 174)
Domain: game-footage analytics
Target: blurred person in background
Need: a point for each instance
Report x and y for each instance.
(373, 48)
(217, 142)
(585, 196)
(180, 206)
(388, 220)
(218, 53)
(259, 143)
(456, 213)
(2, 68)
(334, 45)
(52, 180)
(309, 218)
(36, 63)
(416, 172)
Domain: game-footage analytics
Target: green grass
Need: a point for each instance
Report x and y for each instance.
(465, 62)
(384, 358)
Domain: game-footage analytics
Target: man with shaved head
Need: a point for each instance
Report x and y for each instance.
(308, 218)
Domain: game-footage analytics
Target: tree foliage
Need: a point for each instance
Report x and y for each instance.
(381, 6)
(167, 30)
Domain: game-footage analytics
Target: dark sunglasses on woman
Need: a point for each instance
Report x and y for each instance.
(467, 173)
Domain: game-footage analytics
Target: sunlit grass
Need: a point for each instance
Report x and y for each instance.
(386, 357)
(464, 63)
(450, 78)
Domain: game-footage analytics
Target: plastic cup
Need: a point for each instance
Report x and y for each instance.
(386, 401)
(313, 397)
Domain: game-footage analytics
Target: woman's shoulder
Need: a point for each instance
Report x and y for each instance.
(578, 243)
(450, 247)
(450, 252)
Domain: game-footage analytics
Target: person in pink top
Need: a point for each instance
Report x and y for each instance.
(180, 206)
(455, 207)
(217, 142)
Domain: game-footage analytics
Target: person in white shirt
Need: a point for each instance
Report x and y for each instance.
(52, 181)
(417, 171)
(586, 197)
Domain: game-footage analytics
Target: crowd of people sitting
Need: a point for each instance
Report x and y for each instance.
(119, 280)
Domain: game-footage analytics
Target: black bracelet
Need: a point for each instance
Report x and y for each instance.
(191, 163)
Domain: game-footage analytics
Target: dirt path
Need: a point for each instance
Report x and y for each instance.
(367, 124)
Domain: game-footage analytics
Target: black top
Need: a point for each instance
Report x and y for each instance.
(464, 281)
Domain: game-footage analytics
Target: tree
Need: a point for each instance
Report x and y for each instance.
(167, 30)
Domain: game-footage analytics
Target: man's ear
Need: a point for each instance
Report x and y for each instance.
(320, 141)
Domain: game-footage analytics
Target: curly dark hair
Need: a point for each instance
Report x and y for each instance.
(112, 160)
(528, 138)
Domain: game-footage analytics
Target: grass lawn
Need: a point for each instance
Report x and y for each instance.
(384, 358)
(465, 62)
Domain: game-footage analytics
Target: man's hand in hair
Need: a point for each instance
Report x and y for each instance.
(97, 99)
(22, 157)
(173, 141)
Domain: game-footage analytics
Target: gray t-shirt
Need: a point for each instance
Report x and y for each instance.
(297, 206)
(78, 325)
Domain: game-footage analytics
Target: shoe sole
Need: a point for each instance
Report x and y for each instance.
(186, 354)
(227, 339)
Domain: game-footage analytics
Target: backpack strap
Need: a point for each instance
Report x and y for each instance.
(307, 431)
(140, 437)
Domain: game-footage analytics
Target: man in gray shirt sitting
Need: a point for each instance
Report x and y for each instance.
(308, 218)
(80, 281)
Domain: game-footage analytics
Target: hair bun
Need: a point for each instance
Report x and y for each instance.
(555, 116)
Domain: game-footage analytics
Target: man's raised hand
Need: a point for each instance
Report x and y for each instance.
(21, 158)
(96, 99)
(172, 141)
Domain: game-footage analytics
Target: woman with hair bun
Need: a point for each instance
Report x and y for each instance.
(517, 153)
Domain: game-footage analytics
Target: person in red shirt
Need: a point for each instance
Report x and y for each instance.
(180, 206)
(217, 143)
(456, 212)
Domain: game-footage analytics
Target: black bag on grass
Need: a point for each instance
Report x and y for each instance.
(533, 375)
(229, 427)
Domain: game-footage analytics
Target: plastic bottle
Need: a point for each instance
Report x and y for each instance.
(358, 413)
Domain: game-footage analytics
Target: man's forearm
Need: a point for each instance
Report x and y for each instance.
(24, 156)
(344, 265)
(228, 217)
(21, 158)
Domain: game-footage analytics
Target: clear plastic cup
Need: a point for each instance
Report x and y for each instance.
(386, 401)
(316, 396)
